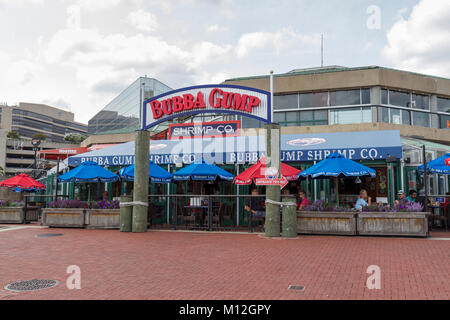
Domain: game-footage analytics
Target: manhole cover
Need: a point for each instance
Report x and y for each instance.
(297, 288)
(31, 285)
(44, 235)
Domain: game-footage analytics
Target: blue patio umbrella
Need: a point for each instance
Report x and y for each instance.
(202, 171)
(88, 171)
(440, 165)
(336, 165)
(155, 172)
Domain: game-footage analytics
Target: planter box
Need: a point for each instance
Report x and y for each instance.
(11, 214)
(102, 218)
(393, 224)
(333, 223)
(63, 218)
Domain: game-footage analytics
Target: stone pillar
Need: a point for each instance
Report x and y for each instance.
(126, 215)
(140, 190)
(289, 219)
(272, 225)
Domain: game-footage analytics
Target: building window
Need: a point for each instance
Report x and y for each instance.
(399, 98)
(384, 96)
(406, 117)
(365, 96)
(421, 119)
(383, 114)
(251, 123)
(289, 101)
(303, 118)
(350, 115)
(443, 105)
(444, 121)
(420, 101)
(311, 100)
(345, 98)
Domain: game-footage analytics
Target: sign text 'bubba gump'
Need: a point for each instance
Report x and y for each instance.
(207, 99)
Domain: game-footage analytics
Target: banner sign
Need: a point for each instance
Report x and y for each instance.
(227, 99)
(204, 130)
(282, 182)
(373, 145)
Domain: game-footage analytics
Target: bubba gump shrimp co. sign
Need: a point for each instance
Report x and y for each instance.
(226, 99)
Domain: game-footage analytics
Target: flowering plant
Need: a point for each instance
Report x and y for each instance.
(104, 204)
(7, 203)
(320, 205)
(66, 203)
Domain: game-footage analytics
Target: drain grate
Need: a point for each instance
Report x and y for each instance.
(31, 285)
(297, 288)
(45, 235)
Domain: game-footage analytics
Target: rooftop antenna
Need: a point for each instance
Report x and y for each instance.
(321, 50)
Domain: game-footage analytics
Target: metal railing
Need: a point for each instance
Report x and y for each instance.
(26, 206)
(193, 212)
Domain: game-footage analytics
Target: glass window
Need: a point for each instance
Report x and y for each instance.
(289, 101)
(399, 98)
(292, 116)
(307, 115)
(309, 100)
(443, 105)
(421, 119)
(279, 117)
(365, 96)
(444, 122)
(420, 101)
(384, 96)
(406, 117)
(251, 123)
(395, 116)
(345, 98)
(366, 114)
(345, 116)
(321, 115)
(383, 114)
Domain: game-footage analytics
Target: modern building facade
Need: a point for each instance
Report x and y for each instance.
(339, 99)
(28, 119)
(122, 114)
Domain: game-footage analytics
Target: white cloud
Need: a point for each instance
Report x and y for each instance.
(280, 40)
(421, 42)
(142, 20)
(97, 5)
(215, 28)
(19, 3)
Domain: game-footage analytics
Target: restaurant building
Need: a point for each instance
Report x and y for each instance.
(377, 116)
(339, 99)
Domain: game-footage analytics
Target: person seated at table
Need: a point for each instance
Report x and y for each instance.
(363, 200)
(401, 198)
(256, 204)
(412, 196)
(303, 201)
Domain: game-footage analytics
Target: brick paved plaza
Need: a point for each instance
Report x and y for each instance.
(194, 265)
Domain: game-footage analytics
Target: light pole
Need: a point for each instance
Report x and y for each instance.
(35, 142)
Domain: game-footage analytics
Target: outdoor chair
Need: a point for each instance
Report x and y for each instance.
(226, 213)
(153, 214)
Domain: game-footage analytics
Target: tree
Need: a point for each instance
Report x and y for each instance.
(13, 135)
(2, 172)
(74, 138)
(39, 136)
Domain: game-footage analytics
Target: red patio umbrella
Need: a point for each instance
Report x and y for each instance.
(257, 171)
(22, 181)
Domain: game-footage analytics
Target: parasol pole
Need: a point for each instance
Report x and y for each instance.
(337, 191)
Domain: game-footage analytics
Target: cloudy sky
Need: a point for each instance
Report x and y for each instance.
(79, 54)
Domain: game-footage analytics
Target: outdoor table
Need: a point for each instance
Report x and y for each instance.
(439, 209)
(204, 211)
